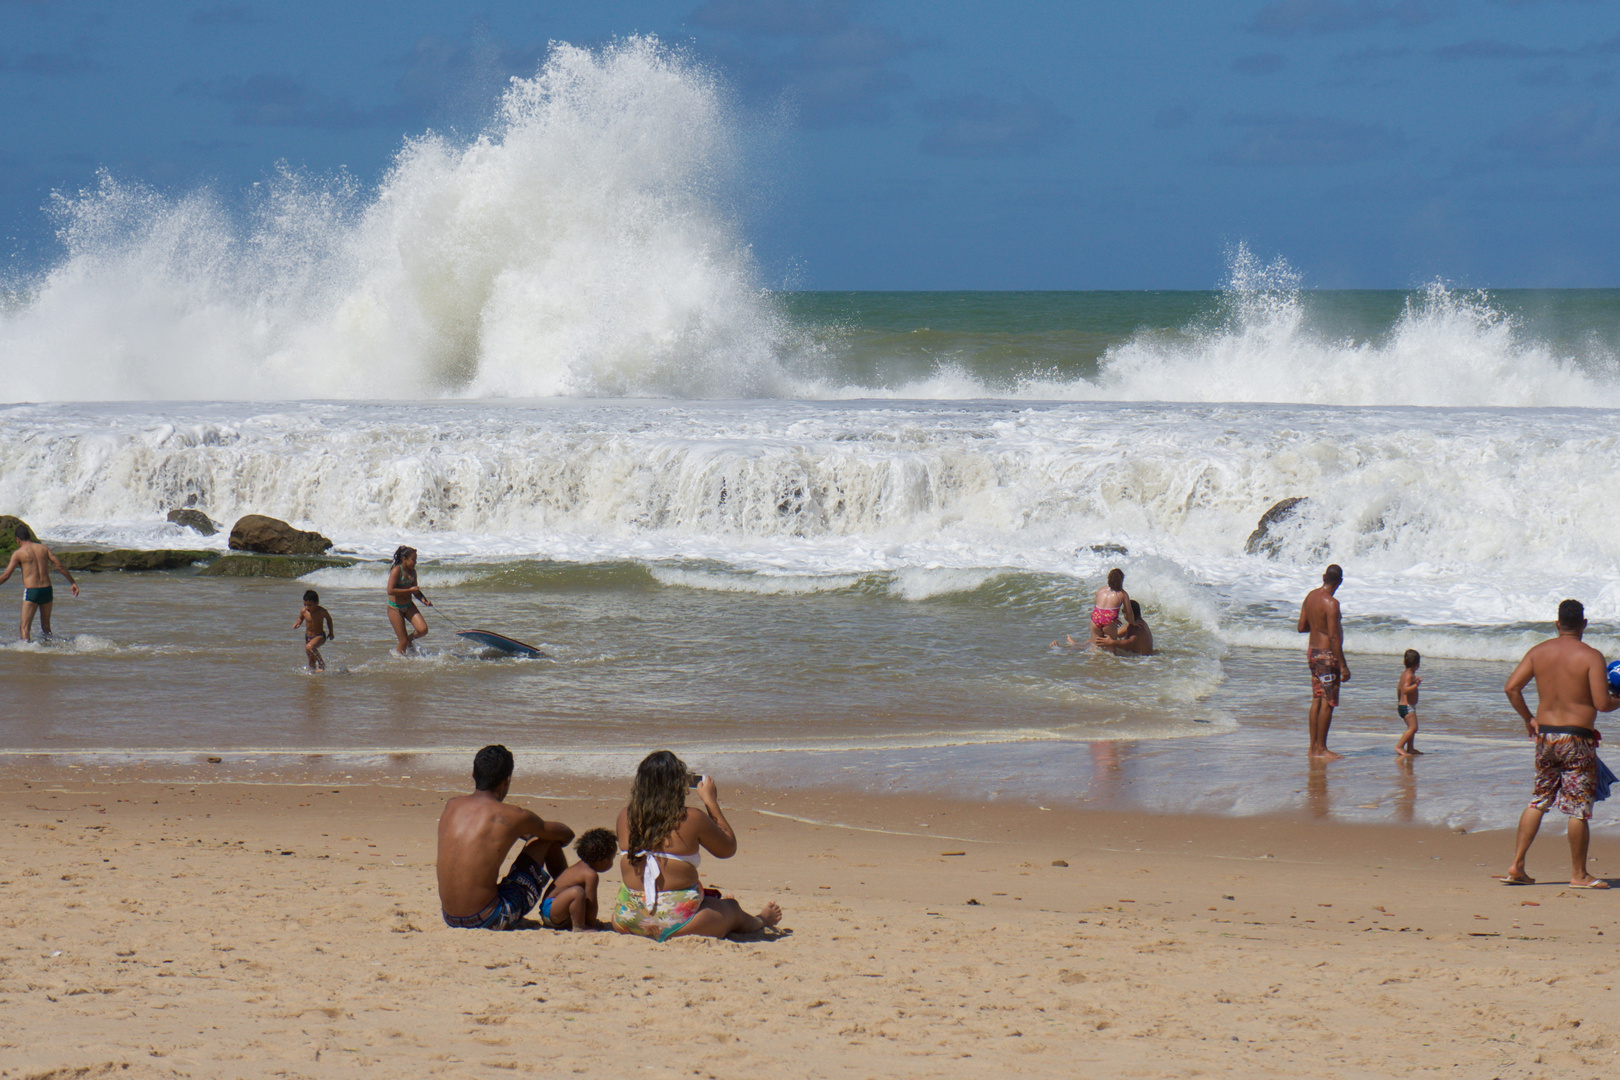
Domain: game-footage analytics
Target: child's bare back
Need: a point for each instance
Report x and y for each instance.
(570, 903)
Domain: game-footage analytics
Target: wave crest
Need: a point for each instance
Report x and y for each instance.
(579, 246)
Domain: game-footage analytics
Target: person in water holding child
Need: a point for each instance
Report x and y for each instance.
(318, 629)
(1572, 687)
(409, 625)
(1138, 635)
(1116, 622)
(36, 562)
(659, 842)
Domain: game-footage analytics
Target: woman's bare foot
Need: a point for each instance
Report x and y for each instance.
(770, 914)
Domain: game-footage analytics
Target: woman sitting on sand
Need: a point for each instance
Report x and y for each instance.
(409, 625)
(659, 838)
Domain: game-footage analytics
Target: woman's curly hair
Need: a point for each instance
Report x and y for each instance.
(657, 802)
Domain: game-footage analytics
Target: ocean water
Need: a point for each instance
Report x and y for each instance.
(820, 538)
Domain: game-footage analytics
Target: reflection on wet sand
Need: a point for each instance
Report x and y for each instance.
(1406, 794)
(1317, 797)
(1107, 772)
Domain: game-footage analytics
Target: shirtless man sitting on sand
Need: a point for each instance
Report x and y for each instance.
(1324, 652)
(1572, 687)
(36, 562)
(475, 833)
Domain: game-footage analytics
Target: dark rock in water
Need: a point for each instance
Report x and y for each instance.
(277, 566)
(1261, 542)
(8, 534)
(1110, 549)
(98, 562)
(194, 519)
(270, 536)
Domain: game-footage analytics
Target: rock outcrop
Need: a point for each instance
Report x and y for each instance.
(271, 536)
(98, 562)
(277, 566)
(195, 520)
(8, 535)
(1261, 541)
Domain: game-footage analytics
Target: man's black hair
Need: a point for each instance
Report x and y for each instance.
(594, 845)
(311, 596)
(492, 765)
(1333, 575)
(1572, 614)
(23, 532)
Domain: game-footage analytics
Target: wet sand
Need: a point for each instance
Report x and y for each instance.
(155, 930)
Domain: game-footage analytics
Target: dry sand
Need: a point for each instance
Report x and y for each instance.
(155, 930)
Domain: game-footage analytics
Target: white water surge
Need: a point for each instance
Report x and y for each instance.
(580, 245)
(1445, 519)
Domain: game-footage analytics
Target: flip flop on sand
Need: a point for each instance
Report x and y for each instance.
(1517, 880)
(1595, 883)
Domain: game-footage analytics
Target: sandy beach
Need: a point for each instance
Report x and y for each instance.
(158, 929)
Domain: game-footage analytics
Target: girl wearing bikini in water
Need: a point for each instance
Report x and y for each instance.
(409, 625)
(1106, 624)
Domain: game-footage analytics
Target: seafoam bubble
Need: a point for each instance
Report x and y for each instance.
(756, 583)
(925, 582)
(374, 576)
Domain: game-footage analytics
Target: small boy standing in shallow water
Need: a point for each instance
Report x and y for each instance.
(318, 629)
(1406, 699)
(570, 902)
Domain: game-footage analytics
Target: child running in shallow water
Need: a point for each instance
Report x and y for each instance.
(1406, 699)
(318, 629)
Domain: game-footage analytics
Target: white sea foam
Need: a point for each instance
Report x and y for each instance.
(579, 245)
(1451, 519)
(374, 577)
(757, 584)
(926, 582)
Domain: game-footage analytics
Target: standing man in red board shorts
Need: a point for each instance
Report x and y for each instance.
(1572, 687)
(1324, 652)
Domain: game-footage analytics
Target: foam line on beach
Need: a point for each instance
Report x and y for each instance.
(871, 829)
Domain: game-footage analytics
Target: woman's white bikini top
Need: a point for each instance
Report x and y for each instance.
(649, 870)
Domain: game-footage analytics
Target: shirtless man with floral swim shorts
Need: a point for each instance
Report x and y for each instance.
(1572, 687)
(1324, 652)
(475, 833)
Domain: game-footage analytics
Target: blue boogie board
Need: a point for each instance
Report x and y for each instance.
(500, 643)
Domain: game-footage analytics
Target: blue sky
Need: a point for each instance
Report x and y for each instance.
(1371, 143)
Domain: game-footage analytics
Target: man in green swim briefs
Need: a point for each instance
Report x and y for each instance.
(36, 562)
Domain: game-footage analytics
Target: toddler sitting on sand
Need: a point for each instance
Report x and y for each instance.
(570, 901)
